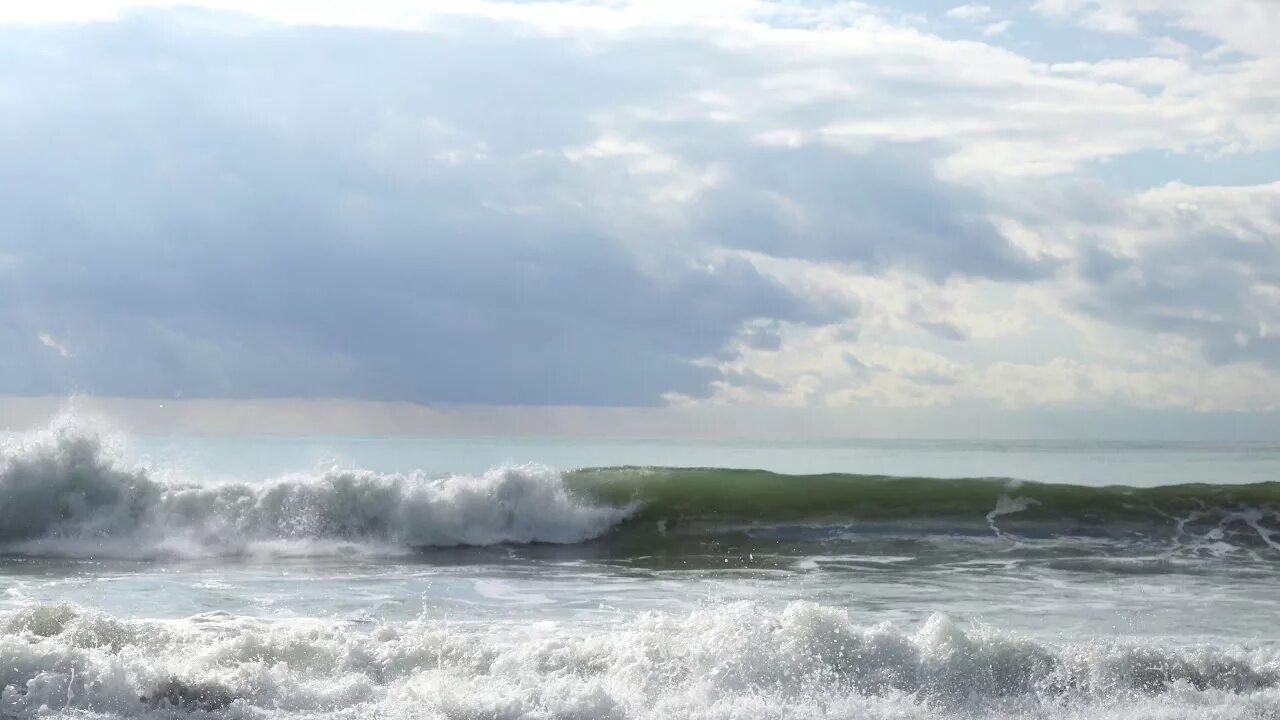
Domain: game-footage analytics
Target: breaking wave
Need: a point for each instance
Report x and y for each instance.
(740, 660)
(63, 492)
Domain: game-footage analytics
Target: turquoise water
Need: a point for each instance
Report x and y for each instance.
(288, 576)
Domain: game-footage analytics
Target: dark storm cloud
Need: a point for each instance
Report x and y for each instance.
(203, 205)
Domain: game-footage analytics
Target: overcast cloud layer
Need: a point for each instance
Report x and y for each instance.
(1065, 204)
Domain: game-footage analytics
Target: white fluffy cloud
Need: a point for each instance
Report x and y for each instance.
(1246, 26)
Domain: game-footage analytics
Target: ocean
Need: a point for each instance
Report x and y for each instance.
(274, 576)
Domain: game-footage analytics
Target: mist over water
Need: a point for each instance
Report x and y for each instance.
(272, 576)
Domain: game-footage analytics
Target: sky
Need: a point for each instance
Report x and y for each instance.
(923, 217)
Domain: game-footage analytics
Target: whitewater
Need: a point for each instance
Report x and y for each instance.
(332, 577)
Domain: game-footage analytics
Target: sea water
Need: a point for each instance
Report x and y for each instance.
(362, 577)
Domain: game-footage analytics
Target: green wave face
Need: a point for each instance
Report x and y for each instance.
(757, 496)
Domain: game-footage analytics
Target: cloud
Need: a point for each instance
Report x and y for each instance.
(1101, 16)
(210, 205)
(246, 214)
(878, 209)
(997, 28)
(766, 337)
(751, 379)
(971, 13)
(1199, 263)
(944, 330)
(1246, 26)
(608, 204)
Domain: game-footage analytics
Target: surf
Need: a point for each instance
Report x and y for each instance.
(740, 659)
(67, 491)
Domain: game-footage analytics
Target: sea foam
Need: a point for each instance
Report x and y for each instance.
(740, 660)
(64, 491)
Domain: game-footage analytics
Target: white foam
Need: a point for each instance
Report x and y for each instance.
(1006, 505)
(734, 661)
(63, 492)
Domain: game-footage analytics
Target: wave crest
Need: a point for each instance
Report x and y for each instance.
(1205, 515)
(63, 492)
